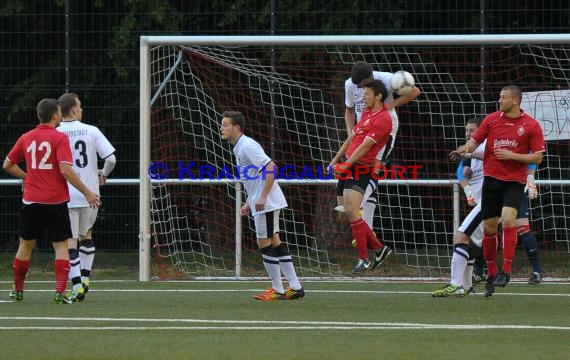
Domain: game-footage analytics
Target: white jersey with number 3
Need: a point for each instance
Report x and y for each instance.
(86, 142)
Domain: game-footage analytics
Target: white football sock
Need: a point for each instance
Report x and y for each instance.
(458, 264)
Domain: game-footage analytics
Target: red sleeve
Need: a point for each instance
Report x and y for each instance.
(537, 139)
(482, 132)
(17, 154)
(380, 128)
(63, 154)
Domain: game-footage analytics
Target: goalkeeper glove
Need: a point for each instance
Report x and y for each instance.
(469, 194)
(530, 187)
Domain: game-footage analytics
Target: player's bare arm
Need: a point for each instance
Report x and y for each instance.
(14, 169)
(360, 151)
(404, 99)
(468, 147)
(341, 151)
(269, 180)
(349, 119)
(504, 154)
(109, 165)
(244, 209)
(478, 153)
(70, 175)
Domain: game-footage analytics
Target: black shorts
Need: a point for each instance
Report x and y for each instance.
(52, 219)
(355, 181)
(498, 194)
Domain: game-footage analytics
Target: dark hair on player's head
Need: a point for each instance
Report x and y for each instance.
(46, 108)
(67, 102)
(377, 87)
(236, 118)
(476, 121)
(360, 71)
(515, 90)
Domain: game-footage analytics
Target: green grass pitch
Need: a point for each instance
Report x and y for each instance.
(336, 320)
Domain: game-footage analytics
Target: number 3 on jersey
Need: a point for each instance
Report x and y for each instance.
(44, 146)
(81, 158)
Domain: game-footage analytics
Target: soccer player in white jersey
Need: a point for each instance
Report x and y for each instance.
(464, 174)
(471, 229)
(265, 201)
(355, 106)
(87, 143)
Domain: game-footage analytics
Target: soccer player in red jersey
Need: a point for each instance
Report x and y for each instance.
(355, 105)
(514, 140)
(48, 160)
(367, 137)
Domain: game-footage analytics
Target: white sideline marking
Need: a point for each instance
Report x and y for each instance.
(267, 325)
(386, 292)
(264, 328)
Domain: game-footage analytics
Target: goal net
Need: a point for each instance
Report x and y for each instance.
(293, 101)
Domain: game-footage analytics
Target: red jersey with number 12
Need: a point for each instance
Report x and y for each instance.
(43, 149)
(375, 125)
(521, 135)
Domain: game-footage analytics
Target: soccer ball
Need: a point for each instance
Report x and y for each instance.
(402, 82)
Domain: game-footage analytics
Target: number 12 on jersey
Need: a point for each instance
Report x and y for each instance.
(44, 146)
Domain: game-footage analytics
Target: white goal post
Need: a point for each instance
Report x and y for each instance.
(150, 91)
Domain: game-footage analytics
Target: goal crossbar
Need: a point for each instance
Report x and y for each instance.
(302, 40)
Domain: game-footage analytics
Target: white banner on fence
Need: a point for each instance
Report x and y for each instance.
(552, 110)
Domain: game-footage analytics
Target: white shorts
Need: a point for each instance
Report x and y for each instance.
(386, 150)
(82, 219)
(472, 226)
(266, 224)
(370, 193)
